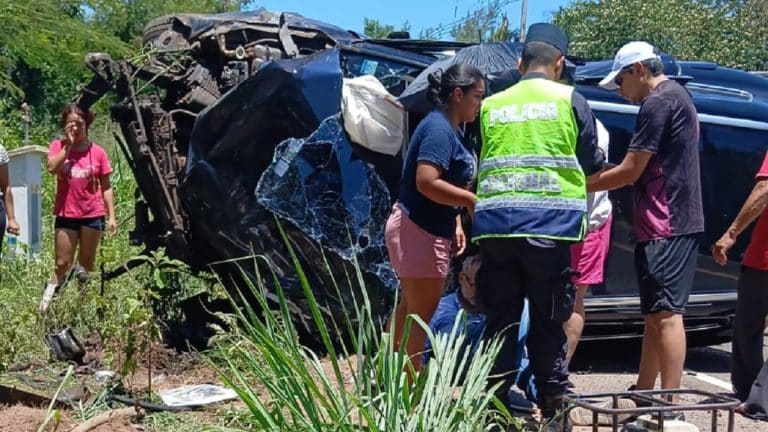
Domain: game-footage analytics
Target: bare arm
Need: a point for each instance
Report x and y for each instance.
(5, 187)
(755, 204)
(429, 184)
(109, 202)
(55, 162)
(626, 173)
(460, 238)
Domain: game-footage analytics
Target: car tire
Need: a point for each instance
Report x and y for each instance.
(164, 34)
(155, 28)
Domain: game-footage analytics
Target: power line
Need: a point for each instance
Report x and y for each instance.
(442, 30)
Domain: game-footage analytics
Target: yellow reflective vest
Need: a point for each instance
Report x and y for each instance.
(530, 183)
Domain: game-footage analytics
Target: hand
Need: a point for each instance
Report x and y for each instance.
(721, 248)
(13, 227)
(69, 131)
(459, 240)
(112, 226)
(471, 206)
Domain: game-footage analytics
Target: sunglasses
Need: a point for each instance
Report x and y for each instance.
(619, 78)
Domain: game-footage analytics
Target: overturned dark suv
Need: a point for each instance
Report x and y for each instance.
(232, 128)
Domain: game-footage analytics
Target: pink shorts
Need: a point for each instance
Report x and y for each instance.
(588, 257)
(415, 253)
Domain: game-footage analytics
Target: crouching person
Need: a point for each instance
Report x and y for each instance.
(462, 299)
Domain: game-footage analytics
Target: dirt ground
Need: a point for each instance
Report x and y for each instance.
(20, 418)
(170, 370)
(594, 371)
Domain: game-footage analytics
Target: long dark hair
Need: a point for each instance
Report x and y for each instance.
(86, 115)
(461, 75)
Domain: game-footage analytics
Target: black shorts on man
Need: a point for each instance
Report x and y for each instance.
(665, 271)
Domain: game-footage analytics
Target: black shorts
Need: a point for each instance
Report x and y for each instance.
(665, 270)
(75, 224)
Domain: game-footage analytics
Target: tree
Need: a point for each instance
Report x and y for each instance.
(728, 32)
(374, 29)
(755, 13)
(43, 47)
(487, 22)
(503, 34)
(126, 18)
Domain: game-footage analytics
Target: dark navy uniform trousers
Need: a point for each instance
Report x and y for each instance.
(539, 269)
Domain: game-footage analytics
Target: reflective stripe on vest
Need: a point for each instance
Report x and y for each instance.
(529, 202)
(546, 161)
(530, 182)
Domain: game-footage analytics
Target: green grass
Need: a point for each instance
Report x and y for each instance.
(23, 281)
(282, 384)
(288, 387)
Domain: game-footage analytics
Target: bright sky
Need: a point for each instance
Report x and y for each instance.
(349, 14)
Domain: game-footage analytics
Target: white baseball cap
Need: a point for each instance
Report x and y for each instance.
(629, 54)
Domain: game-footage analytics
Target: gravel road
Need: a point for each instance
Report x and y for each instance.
(613, 367)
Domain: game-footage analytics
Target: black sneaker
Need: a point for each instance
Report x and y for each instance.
(669, 415)
(652, 422)
(638, 401)
(80, 275)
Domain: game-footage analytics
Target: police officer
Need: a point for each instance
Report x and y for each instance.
(539, 142)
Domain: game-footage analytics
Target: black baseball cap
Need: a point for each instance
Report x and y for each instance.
(548, 33)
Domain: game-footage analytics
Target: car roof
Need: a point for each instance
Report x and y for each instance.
(710, 86)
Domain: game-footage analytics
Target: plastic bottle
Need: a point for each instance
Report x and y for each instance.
(10, 249)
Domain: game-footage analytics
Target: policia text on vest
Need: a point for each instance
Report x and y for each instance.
(530, 183)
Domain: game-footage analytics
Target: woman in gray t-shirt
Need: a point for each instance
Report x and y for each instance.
(6, 204)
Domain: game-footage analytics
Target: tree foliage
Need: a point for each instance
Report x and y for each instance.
(503, 33)
(481, 24)
(42, 47)
(48, 37)
(126, 18)
(376, 30)
(486, 23)
(729, 32)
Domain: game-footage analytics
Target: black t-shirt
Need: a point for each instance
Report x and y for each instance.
(668, 192)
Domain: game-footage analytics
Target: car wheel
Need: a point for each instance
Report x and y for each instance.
(163, 34)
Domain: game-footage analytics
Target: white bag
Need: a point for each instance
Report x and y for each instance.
(373, 118)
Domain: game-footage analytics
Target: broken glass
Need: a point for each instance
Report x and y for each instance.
(321, 185)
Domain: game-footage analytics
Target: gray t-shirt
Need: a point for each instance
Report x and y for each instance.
(4, 159)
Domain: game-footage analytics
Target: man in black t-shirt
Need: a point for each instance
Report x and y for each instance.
(662, 163)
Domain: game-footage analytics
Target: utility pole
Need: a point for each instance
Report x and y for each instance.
(523, 15)
(26, 119)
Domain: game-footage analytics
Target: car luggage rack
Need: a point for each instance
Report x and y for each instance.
(590, 401)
